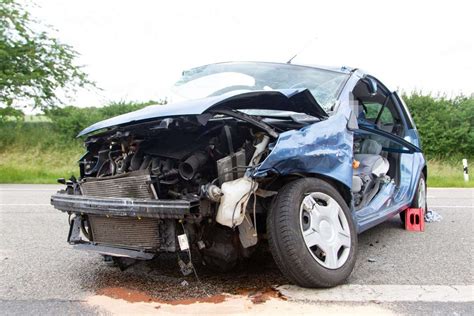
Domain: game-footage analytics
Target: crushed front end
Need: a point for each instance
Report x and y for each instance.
(159, 187)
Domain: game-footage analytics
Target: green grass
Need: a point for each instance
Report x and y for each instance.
(36, 166)
(34, 152)
(448, 173)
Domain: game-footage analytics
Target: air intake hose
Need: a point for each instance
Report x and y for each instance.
(190, 166)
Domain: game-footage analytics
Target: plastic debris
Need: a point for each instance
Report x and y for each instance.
(186, 269)
(371, 260)
(432, 216)
(184, 283)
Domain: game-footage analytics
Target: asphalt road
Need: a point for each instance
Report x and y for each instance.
(408, 272)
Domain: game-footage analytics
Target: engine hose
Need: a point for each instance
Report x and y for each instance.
(112, 163)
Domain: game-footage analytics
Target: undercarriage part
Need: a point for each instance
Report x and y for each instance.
(247, 233)
(126, 232)
(221, 254)
(124, 263)
(114, 251)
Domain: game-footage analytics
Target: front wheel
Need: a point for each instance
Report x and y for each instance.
(311, 234)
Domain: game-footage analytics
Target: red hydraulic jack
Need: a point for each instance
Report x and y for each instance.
(414, 219)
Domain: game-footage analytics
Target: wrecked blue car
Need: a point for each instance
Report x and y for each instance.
(295, 157)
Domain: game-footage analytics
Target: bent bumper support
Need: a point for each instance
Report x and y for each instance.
(114, 252)
(129, 207)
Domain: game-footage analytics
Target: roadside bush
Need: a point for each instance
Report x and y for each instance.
(446, 126)
(70, 120)
(11, 114)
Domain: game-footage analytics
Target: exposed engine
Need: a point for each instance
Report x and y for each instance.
(176, 160)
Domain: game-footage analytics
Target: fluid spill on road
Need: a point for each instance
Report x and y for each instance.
(256, 296)
(259, 296)
(135, 296)
(161, 281)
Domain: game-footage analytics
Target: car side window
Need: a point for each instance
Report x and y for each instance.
(378, 107)
(373, 111)
(384, 117)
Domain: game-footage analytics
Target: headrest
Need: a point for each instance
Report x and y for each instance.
(370, 146)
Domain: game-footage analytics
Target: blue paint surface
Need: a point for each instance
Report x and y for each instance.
(323, 148)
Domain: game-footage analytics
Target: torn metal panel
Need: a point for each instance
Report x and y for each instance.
(321, 148)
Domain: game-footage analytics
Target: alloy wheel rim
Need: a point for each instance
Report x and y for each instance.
(325, 230)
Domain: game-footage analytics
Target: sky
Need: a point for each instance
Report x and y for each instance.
(135, 50)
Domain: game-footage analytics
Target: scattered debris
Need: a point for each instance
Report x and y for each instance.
(184, 283)
(371, 260)
(432, 216)
(186, 269)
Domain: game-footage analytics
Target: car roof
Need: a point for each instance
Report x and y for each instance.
(342, 69)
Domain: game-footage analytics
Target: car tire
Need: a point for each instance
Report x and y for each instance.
(330, 225)
(419, 200)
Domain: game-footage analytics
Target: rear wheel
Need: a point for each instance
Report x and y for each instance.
(419, 200)
(311, 234)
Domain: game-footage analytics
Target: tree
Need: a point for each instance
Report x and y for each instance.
(34, 66)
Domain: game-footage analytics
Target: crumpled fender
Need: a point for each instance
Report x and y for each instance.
(322, 148)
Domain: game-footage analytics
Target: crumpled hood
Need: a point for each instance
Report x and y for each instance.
(297, 100)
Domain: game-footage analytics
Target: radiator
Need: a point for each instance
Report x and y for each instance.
(126, 232)
(129, 185)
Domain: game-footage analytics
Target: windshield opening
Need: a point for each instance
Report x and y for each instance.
(218, 79)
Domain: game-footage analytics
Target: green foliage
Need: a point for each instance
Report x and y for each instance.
(33, 64)
(69, 121)
(446, 126)
(11, 114)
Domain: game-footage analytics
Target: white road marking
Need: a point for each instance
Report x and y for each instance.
(382, 293)
(46, 189)
(450, 206)
(25, 204)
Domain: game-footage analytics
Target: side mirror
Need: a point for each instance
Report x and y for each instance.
(371, 84)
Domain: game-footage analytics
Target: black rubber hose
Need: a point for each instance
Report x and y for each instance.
(190, 166)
